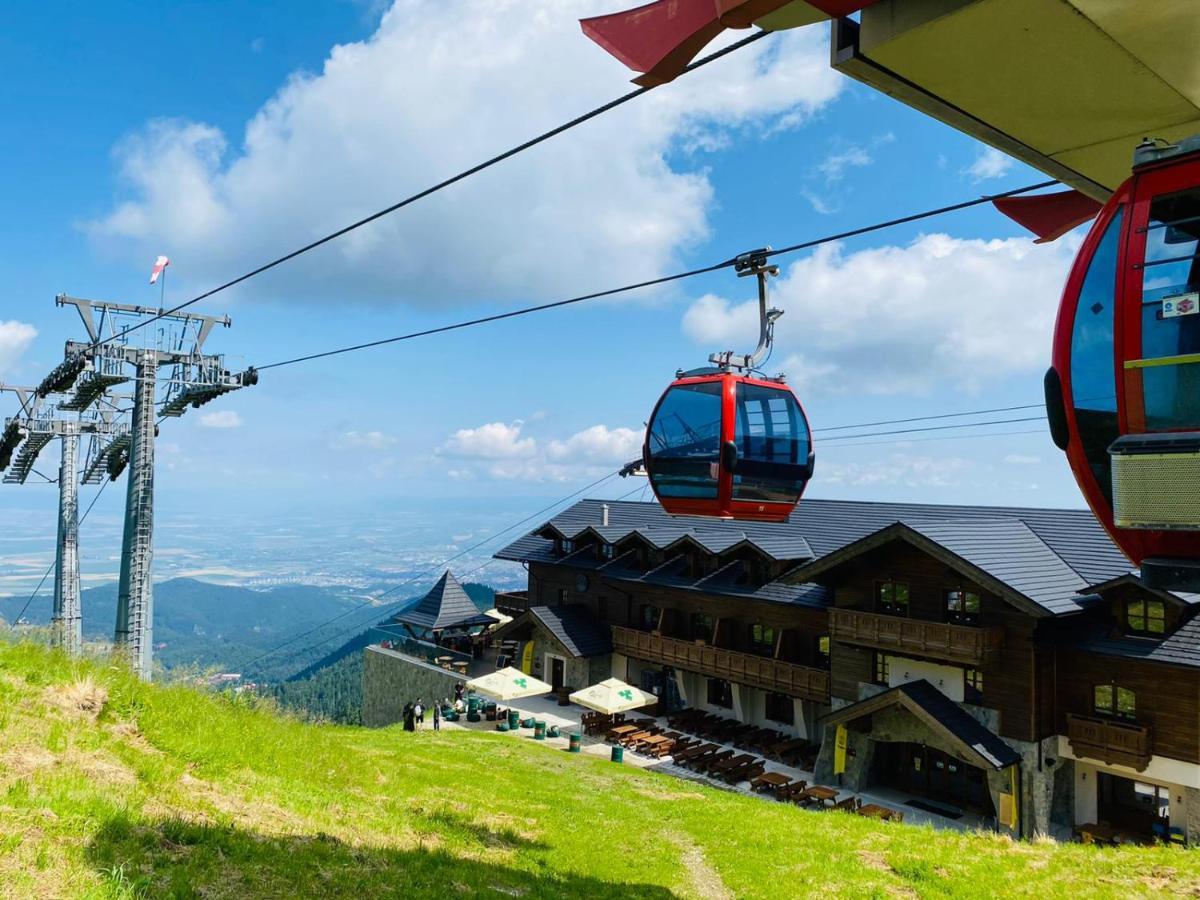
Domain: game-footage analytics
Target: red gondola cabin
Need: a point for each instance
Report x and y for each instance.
(1123, 395)
(728, 445)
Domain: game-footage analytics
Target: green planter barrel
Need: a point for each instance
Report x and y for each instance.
(618, 753)
(514, 719)
(539, 731)
(574, 742)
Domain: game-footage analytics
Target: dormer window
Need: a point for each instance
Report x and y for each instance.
(893, 597)
(568, 545)
(606, 551)
(962, 607)
(1147, 617)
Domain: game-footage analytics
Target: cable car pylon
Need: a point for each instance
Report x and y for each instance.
(727, 441)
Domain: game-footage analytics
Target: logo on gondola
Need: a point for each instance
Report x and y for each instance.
(1181, 305)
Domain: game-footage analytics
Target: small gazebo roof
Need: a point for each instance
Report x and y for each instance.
(447, 605)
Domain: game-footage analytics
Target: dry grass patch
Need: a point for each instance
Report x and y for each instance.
(84, 698)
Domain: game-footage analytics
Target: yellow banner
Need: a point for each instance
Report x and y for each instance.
(527, 658)
(1009, 813)
(839, 750)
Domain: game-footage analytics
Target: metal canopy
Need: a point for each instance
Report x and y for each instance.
(1068, 86)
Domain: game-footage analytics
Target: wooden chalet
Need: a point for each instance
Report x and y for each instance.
(997, 661)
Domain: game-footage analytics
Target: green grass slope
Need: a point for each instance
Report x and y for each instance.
(112, 788)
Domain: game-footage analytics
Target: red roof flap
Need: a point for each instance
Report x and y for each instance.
(1049, 216)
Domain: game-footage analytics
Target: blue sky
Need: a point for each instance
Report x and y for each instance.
(222, 134)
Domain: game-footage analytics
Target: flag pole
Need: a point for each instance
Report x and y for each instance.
(162, 290)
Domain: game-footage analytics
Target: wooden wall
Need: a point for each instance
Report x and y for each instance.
(1009, 678)
(1168, 697)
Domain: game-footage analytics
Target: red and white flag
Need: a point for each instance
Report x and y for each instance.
(159, 264)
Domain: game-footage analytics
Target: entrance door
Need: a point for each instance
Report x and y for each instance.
(926, 772)
(558, 668)
(1132, 805)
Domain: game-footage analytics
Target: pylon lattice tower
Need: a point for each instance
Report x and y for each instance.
(28, 433)
(89, 371)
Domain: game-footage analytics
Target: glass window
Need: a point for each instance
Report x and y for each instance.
(773, 443)
(1152, 798)
(880, 669)
(684, 440)
(568, 546)
(762, 639)
(893, 597)
(650, 617)
(962, 607)
(720, 693)
(823, 651)
(1171, 312)
(562, 596)
(1146, 616)
(606, 551)
(779, 708)
(973, 685)
(1093, 377)
(702, 627)
(1113, 700)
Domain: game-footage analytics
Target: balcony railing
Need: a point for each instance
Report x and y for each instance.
(512, 603)
(743, 668)
(1119, 743)
(956, 643)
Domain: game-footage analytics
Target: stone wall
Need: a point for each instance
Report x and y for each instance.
(391, 679)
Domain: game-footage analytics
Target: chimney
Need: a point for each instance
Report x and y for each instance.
(604, 515)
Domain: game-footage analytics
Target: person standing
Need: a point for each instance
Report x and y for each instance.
(409, 718)
(437, 717)
(458, 692)
(419, 713)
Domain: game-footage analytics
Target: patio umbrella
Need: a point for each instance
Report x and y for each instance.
(613, 696)
(508, 684)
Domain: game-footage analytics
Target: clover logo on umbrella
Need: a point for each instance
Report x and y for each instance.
(520, 682)
(625, 694)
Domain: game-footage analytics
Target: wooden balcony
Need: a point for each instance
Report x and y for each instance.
(955, 643)
(512, 603)
(743, 668)
(1111, 741)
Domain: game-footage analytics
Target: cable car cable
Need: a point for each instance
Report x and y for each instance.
(358, 626)
(441, 185)
(371, 602)
(51, 569)
(654, 282)
(973, 412)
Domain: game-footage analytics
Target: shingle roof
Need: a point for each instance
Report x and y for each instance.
(575, 628)
(1009, 551)
(446, 605)
(1047, 555)
(1180, 648)
(941, 711)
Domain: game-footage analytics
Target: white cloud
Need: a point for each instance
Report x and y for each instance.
(224, 418)
(898, 469)
(435, 89)
(504, 452)
(834, 166)
(495, 440)
(1022, 459)
(990, 163)
(598, 444)
(940, 311)
(15, 338)
(363, 440)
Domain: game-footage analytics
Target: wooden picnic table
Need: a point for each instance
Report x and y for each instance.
(770, 780)
(656, 739)
(875, 811)
(1103, 834)
(818, 793)
(620, 731)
